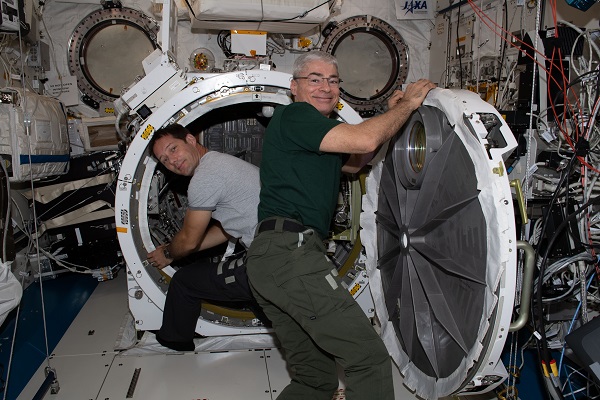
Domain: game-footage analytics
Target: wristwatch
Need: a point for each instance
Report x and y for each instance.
(166, 252)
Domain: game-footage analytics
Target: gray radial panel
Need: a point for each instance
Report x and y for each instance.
(432, 246)
(439, 234)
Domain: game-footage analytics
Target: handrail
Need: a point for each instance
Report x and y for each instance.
(526, 287)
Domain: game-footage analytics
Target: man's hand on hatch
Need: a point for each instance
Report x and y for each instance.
(157, 257)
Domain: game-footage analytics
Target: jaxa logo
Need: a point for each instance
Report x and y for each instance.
(417, 6)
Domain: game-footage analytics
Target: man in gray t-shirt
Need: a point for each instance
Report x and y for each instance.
(223, 188)
(227, 187)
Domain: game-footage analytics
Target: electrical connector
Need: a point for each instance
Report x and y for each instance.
(553, 367)
(545, 369)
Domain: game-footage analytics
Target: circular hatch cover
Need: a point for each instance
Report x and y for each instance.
(439, 232)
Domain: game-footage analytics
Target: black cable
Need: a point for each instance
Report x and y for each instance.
(577, 79)
(5, 205)
(460, 71)
(546, 357)
(190, 8)
(2, 381)
(504, 43)
(566, 207)
(571, 289)
(541, 329)
(543, 353)
(222, 41)
(591, 246)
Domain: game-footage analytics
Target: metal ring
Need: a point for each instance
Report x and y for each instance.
(90, 51)
(368, 39)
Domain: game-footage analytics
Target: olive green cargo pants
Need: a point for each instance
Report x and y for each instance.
(316, 320)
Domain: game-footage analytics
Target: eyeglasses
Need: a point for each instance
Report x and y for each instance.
(315, 80)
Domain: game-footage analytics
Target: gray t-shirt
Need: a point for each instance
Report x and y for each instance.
(229, 187)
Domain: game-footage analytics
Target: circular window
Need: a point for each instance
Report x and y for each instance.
(373, 61)
(106, 51)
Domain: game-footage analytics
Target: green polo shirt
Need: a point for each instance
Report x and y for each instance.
(297, 180)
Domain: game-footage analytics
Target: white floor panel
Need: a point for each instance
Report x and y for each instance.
(96, 327)
(211, 376)
(88, 367)
(79, 377)
(279, 376)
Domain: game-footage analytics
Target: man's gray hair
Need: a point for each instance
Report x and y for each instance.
(315, 55)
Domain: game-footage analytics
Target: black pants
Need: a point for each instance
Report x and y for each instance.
(223, 283)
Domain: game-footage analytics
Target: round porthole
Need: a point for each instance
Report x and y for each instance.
(373, 61)
(106, 51)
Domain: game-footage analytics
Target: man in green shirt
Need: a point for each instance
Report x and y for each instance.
(304, 152)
